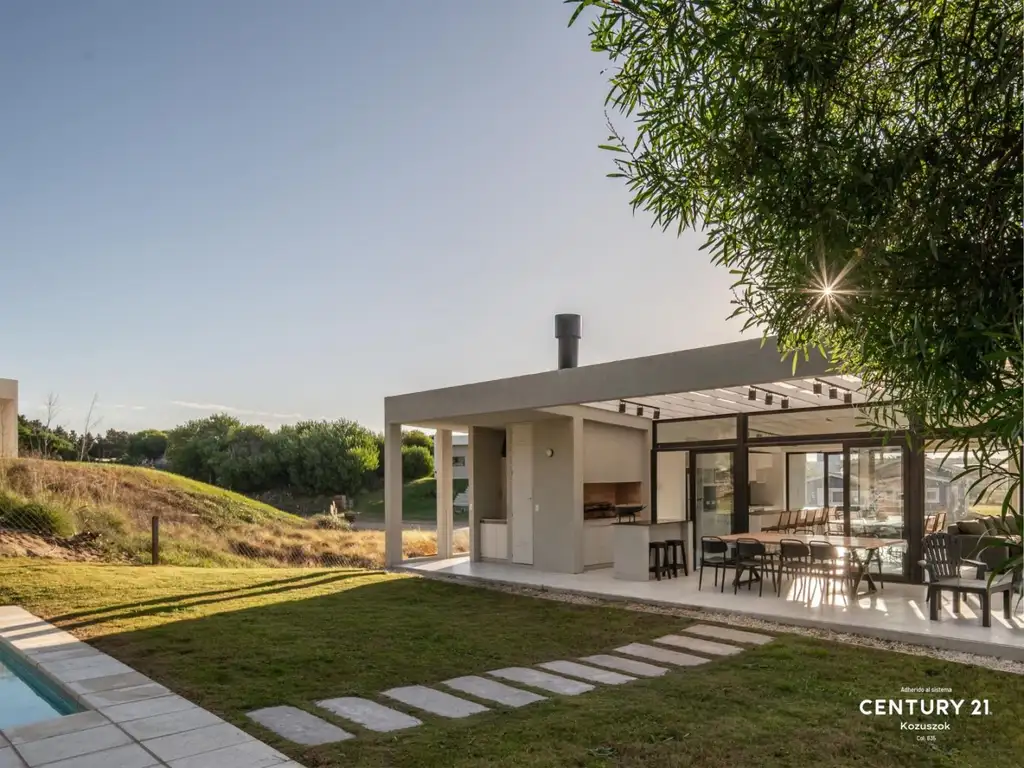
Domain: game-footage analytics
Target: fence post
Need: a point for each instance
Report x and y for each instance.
(156, 540)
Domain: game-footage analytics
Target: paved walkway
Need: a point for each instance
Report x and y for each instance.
(510, 687)
(128, 721)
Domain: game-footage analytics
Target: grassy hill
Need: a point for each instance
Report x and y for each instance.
(74, 511)
(419, 501)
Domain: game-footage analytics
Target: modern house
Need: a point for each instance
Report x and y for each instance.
(460, 451)
(8, 418)
(708, 441)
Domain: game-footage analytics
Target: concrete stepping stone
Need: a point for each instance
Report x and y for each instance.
(724, 633)
(632, 666)
(492, 690)
(298, 725)
(590, 674)
(652, 653)
(543, 680)
(369, 714)
(435, 702)
(699, 645)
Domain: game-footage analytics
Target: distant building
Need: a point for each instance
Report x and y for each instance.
(9, 418)
(460, 449)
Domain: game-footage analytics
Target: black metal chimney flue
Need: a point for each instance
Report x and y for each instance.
(568, 331)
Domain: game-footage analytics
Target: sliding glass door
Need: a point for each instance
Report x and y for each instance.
(713, 490)
(876, 507)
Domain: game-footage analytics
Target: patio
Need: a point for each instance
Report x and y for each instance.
(898, 612)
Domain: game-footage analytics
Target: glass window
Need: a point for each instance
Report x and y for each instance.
(876, 503)
(458, 461)
(697, 430)
(952, 487)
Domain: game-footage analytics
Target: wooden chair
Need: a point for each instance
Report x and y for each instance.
(929, 523)
(783, 521)
(802, 525)
(836, 525)
(820, 523)
(942, 563)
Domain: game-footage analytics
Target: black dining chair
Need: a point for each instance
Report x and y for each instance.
(794, 559)
(753, 557)
(828, 562)
(714, 553)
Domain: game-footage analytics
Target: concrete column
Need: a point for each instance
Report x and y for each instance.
(393, 494)
(9, 428)
(577, 486)
(443, 475)
(647, 494)
(474, 523)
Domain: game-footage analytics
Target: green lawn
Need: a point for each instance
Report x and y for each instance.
(419, 502)
(235, 640)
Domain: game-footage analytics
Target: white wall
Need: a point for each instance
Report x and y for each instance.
(672, 467)
(8, 418)
(613, 454)
(557, 498)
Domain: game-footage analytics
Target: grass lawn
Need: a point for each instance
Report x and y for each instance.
(419, 502)
(235, 640)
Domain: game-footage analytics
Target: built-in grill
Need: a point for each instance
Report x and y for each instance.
(598, 510)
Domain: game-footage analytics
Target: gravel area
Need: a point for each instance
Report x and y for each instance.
(740, 621)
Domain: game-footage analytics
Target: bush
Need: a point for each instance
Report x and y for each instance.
(417, 462)
(44, 518)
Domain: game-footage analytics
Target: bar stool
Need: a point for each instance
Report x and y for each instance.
(660, 565)
(676, 552)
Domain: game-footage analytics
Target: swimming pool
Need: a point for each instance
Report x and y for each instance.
(26, 696)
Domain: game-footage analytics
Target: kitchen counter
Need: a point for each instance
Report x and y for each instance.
(631, 545)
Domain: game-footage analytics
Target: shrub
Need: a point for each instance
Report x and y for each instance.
(40, 517)
(417, 462)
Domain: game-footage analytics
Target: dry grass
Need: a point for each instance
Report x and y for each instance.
(111, 507)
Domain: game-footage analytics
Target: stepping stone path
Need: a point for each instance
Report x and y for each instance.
(299, 726)
(369, 714)
(590, 674)
(492, 690)
(543, 680)
(632, 666)
(698, 645)
(725, 633)
(661, 654)
(625, 665)
(435, 702)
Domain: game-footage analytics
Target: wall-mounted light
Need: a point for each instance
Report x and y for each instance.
(657, 413)
(848, 397)
(817, 387)
(639, 410)
(622, 406)
(751, 394)
(549, 453)
(833, 393)
(785, 403)
(768, 397)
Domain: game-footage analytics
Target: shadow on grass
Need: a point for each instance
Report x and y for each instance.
(158, 607)
(192, 595)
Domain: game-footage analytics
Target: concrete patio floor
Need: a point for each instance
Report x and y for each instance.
(898, 612)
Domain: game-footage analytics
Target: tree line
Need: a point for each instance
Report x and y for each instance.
(310, 457)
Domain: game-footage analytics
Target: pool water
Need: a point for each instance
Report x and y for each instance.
(26, 696)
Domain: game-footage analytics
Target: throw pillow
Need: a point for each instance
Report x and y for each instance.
(972, 527)
(993, 524)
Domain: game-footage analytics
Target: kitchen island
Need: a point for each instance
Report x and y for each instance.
(631, 545)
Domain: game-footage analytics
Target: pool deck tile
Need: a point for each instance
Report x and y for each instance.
(129, 721)
(9, 758)
(80, 721)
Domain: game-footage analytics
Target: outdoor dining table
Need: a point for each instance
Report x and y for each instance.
(853, 544)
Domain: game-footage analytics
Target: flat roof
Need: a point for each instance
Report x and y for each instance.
(705, 381)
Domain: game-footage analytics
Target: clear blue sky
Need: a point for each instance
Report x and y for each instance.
(301, 207)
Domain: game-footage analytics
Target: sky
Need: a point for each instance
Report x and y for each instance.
(289, 210)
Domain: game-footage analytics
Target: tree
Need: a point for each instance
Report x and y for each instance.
(857, 166)
(146, 446)
(417, 462)
(192, 448)
(418, 437)
(323, 457)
